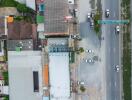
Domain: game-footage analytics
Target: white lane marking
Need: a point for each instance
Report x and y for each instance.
(115, 84)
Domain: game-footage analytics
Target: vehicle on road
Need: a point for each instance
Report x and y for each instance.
(107, 13)
(92, 15)
(90, 51)
(117, 29)
(91, 22)
(117, 68)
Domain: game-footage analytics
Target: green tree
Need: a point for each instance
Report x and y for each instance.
(82, 88)
(22, 8)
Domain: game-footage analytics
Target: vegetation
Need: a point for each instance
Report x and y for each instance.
(6, 98)
(81, 49)
(5, 75)
(97, 25)
(82, 88)
(12, 3)
(126, 51)
(8, 3)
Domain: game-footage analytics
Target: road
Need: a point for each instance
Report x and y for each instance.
(113, 86)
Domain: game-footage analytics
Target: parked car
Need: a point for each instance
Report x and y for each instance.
(107, 13)
(90, 51)
(92, 23)
(91, 61)
(80, 83)
(117, 29)
(89, 15)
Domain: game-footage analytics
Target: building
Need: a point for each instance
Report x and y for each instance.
(20, 45)
(18, 30)
(59, 76)
(25, 75)
(55, 13)
(29, 3)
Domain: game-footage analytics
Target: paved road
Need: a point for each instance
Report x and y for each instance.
(112, 52)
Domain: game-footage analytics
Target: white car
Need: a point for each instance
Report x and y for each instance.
(90, 51)
(92, 23)
(81, 83)
(117, 68)
(117, 29)
(89, 15)
(89, 61)
(107, 13)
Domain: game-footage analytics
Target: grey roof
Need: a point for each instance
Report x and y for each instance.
(21, 66)
(23, 44)
(55, 12)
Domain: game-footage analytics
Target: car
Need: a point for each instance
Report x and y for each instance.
(89, 61)
(89, 15)
(90, 51)
(92, 15)
(117, 68)
(92, 23)
(117, 29)
(80, 83)
(107, 13)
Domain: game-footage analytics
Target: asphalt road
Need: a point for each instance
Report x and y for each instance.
(112, 52)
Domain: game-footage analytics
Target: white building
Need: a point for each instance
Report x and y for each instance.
(59, 76)
(25, 75)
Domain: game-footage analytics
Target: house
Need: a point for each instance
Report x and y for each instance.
(18, 30)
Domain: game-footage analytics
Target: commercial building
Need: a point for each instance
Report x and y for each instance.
(55, 13)
(25, 75)
(59, 76)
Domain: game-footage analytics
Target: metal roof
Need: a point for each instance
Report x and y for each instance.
(55, 12)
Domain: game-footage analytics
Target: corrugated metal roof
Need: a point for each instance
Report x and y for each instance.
(55, 12)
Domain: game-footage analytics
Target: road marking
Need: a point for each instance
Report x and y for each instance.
(115, 84)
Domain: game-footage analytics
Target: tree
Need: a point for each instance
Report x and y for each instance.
(22, 8)
(81, 49)
(82, 88)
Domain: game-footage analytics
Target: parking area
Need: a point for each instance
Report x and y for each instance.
(90, 69)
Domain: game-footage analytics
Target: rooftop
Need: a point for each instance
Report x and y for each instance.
(55, 12)
(59, 76)
(21, 66)
(20, 45)
(18, 30)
